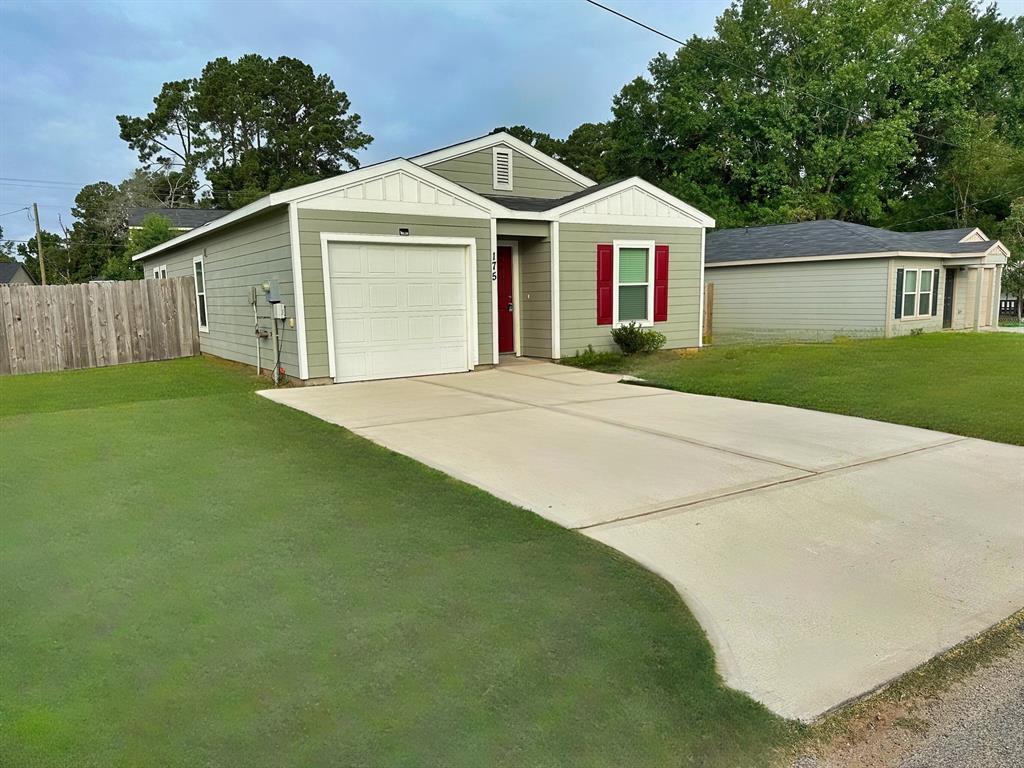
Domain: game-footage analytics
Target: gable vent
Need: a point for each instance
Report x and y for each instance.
(502, 168)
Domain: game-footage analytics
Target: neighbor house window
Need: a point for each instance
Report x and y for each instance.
(634, 282)
(160, 271)
(200, 275)
(917, 292)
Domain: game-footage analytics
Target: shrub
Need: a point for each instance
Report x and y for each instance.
(633, 338)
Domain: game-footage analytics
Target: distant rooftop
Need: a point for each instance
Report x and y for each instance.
(180, 218)
(829, 237)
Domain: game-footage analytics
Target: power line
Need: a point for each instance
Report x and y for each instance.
(752, 72)
(8, 213)
(975, 204)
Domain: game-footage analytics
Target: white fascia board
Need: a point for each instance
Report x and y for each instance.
(697, 218)
(314, 189)
(263, 204)
(965, 257)
(973, 236)
(494, 139)
(488, 208)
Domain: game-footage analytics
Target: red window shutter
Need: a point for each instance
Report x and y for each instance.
(604, 284)
(660, 283)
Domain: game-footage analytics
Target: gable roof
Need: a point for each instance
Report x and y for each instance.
(9, 269)
(495, 139)
(180, 218)
(611, 202)
(828, 237)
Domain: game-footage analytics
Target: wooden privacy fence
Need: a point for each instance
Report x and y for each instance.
(60, 327)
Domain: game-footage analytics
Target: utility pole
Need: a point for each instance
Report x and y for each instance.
(39, 246)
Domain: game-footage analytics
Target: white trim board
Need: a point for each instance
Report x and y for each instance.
(472, 321)
(495, 139)
(617, 245)
(517, 347)
(997, 249)
(556, 296)
(319, 188)
(297, 291)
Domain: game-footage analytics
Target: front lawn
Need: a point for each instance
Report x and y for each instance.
(965, 383)
(191, 575)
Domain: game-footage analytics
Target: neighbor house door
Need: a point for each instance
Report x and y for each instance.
(947, 299)
(506, 307)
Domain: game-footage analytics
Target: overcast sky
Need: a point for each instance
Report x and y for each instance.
(421, 74)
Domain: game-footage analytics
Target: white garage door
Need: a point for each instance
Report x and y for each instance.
(399, 310)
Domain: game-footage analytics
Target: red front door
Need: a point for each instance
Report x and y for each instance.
(506, 313)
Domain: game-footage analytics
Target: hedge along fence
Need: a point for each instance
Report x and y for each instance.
(88, 325)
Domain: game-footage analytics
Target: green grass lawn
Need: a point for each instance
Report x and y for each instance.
(191, 575)
(965, 383)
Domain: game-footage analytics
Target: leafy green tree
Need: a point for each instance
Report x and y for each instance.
(153, 230)
(60, 266)
(6, 249)
(251, 126)
(800, 109)
(1011, 233)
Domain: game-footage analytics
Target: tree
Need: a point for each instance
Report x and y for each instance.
(800, 109)
(153, 230)
(1011, 233)
(251, 126)
(59, 265)
(6, 249)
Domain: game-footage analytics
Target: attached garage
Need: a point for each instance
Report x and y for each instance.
(399, 306)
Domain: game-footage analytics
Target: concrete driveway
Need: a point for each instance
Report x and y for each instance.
(823, 554)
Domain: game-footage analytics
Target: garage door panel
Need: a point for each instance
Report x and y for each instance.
(403, 313)
(451, 294)
(421, 295)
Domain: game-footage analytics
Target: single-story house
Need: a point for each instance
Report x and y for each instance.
(816, 280)
(14, 273)
(440, 263)
(182, 219)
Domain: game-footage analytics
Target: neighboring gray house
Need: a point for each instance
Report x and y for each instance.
(13, 273)
(182, 219)
(443, 262)
(816, 280)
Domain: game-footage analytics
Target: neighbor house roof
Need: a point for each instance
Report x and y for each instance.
(831, 238)
(180, 218)
(9, 270)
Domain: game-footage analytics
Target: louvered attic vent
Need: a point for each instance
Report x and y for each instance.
(502, 168)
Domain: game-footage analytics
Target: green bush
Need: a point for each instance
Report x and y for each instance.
(633, 338)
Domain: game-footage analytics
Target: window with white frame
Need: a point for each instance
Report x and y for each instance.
(634, 282)
(917, 292)
(160, 271)
(200, 275)
(502, 168)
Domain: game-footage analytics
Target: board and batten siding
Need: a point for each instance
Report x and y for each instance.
(535, 297)
(312, 222)
(577, 260)
(234, 260)
(803, 301)
(475, 171)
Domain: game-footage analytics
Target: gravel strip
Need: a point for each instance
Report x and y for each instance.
(977, 722)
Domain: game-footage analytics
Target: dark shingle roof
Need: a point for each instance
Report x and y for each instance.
(537, 204)
(180, 218)
(9, 270)
(829, 238)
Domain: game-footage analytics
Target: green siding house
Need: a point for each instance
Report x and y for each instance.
(443, 262)
(815, 280)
